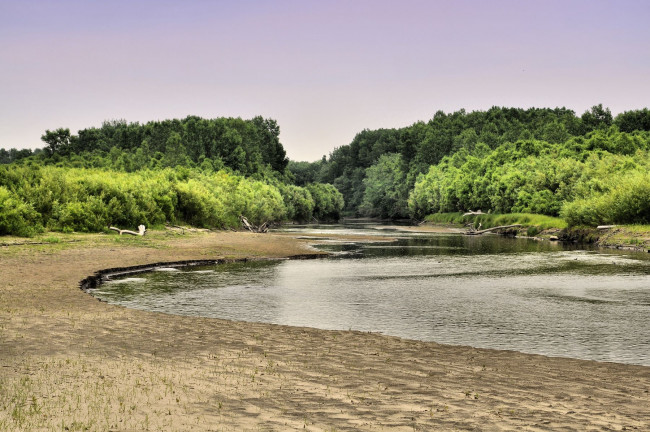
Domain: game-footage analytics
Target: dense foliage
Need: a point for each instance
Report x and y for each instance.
(589, 169)
(33, 198)
(569, 179)
(202, 172)
(245, 146)
(503, 160)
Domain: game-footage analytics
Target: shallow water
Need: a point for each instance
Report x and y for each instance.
(487, 291)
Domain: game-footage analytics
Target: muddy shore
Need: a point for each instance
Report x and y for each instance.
(69, 362)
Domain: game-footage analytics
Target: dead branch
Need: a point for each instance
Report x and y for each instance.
(252, 228)
(141, 230)
(471, 212)
(246, 224)
(492, 229)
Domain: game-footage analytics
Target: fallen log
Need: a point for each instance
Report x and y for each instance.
(141, 230)
(492, 229)
(471, 212)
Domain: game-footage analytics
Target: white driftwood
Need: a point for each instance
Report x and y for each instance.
(252, 228)
(603, 227)
(471, 212)
(141, 231)
(492, 229)
(246, 224)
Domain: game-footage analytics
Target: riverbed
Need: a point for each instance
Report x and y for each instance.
(69, 361)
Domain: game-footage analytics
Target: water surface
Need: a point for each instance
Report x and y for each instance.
(484, 291)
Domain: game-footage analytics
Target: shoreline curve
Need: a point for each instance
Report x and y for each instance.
(67, 360)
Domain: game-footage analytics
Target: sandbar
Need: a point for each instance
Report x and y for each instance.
(70, 362)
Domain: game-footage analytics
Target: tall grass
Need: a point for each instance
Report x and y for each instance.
(489, 220)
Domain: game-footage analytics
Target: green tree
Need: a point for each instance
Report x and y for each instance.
(175, 153)
(58, 141)
(385, 193)
(596, 118)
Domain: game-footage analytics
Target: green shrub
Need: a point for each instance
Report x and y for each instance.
(17, 217)
(626, 202)
(532, 231)
(298, 202)
(328, 201)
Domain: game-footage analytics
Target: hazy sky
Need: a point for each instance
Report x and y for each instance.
(324, 70)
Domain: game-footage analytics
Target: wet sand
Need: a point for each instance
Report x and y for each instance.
(70, 362)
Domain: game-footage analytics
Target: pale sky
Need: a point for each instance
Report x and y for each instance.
(325, 70)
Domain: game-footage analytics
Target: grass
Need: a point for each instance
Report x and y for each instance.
(637, 236)
(60, 241)
(488, 220)
(637, 229)
(38, 400)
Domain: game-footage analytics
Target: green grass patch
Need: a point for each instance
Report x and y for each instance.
(488, 220)
(637, 229)
(627, 235)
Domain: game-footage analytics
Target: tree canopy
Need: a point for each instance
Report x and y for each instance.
(589, 169)
(205, 172)
(502, 159)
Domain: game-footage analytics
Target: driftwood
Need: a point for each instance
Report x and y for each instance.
(252, 228)
(141, 231)
(603, 227)
(471, 212)
(479, 232)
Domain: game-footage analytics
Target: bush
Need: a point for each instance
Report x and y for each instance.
(17, 217)
(627, 202)
(328, 201)
(298, 202)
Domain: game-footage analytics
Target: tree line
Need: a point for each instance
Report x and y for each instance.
(35, 198)
(601, 178)
(245, 146)
(204, 172)
(502, 159)
(589, 169)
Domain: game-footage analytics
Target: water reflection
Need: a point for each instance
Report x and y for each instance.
(492, 292)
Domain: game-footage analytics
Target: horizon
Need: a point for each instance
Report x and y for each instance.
(324, 71)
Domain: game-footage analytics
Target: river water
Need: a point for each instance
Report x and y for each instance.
(482, 291)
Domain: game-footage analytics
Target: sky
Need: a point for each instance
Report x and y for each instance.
(325, 70)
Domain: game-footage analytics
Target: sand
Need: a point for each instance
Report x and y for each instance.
(70, 362)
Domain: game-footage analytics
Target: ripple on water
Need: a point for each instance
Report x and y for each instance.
(485, 292)
(127, 280)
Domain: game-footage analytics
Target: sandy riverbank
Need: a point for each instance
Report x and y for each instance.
(69, 362)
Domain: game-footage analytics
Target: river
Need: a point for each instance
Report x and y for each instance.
(483, 291)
